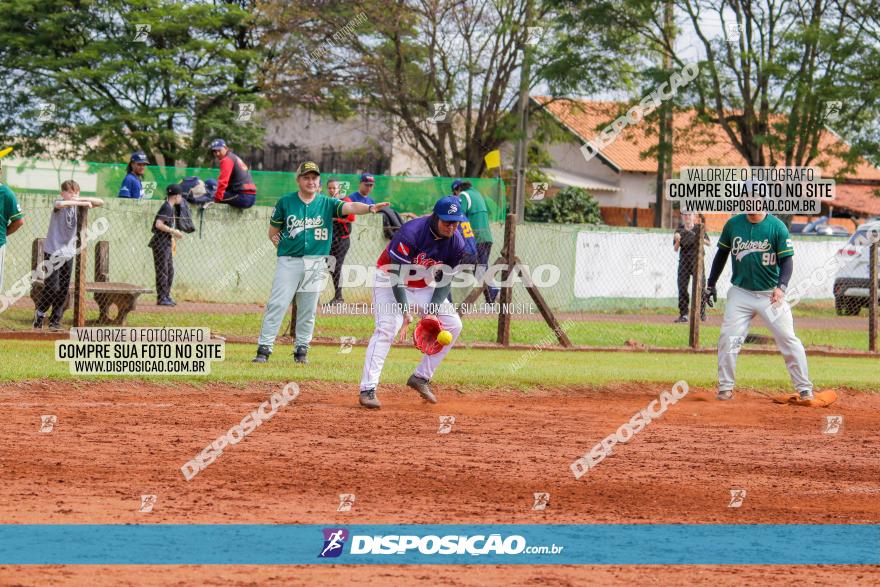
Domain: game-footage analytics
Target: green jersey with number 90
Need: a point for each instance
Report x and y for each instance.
(755, 249)
(306, 229)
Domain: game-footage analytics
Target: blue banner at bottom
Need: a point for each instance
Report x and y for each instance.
(599, 544)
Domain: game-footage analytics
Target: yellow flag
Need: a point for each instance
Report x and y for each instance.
(493, 159)
(5, 152)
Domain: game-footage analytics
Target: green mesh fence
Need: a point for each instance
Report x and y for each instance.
(407, 194)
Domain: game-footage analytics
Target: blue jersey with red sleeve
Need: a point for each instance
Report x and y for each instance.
(416, 244)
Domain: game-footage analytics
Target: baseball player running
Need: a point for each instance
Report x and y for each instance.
(762, 253)
(419, 244)
(301, 228)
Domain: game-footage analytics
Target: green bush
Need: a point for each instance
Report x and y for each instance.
(569, 206)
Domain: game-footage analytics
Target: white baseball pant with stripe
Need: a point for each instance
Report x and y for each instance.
(388, 323)
(742, 306)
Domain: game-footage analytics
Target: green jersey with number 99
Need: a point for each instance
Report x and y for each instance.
(755, 249)
(306, 229)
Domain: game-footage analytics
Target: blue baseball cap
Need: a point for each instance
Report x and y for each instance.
(456, 184)
(368, 177)
(448, 209)
(217, 144)
(138, 157)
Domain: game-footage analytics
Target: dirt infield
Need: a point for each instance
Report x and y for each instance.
(114, 442)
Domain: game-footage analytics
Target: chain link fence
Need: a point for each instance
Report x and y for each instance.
(615, 286)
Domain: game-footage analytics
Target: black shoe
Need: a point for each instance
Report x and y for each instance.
(299, 355)
(38, 321)
(55, 326)
(173, 303)
(165, 302)
(369, 400)
(263, 353)
(702, 317)
(681, 319)
(337, 300)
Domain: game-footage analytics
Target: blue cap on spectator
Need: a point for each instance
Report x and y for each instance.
(367, 178)
(217, 144)
(138, 157)
(449, 209)
(456, 184)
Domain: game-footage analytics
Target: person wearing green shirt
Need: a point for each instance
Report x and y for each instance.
(474, 207)
(301, 228)
(761, 250)
(12, 219)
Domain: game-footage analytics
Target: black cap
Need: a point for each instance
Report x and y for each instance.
(174, 190)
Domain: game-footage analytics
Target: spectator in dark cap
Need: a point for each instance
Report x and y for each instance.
(235, 186)
(364, 189)
(132, 186)
(163, 244)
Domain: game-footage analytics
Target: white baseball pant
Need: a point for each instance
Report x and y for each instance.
(304, 277)
(388, 322)
(742, 306)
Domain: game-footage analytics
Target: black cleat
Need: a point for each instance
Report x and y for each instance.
(421, 385)
(369, 399)
(300, 355)
(38, 321)
(681, 319)
(263, 353)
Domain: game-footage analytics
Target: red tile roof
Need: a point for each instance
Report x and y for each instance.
(695, 143)
(861, 199)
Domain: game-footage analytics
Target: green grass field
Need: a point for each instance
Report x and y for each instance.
(477, 329)
(470, 369)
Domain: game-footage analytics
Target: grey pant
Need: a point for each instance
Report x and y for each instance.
(742, 306)
(304, 277)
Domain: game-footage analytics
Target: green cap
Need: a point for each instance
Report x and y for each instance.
(307, 167)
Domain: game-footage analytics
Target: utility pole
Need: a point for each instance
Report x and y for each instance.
(662, 208)
(521, 153)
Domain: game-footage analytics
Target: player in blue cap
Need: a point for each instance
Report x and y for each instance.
(401, 287)
(364, 189)
(132, 186)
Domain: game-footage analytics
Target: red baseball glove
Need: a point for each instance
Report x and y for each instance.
(425, 335)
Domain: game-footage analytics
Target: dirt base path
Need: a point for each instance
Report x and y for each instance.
(114, 442)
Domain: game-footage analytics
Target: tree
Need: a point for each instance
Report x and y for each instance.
(776, 78)
(569, 206)
(101, 79)
(778, 67)
(400, 58)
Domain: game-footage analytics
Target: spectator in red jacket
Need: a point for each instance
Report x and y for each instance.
(341, 241)
(235, 186)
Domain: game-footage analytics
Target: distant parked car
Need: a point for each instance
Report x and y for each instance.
(852, 280)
